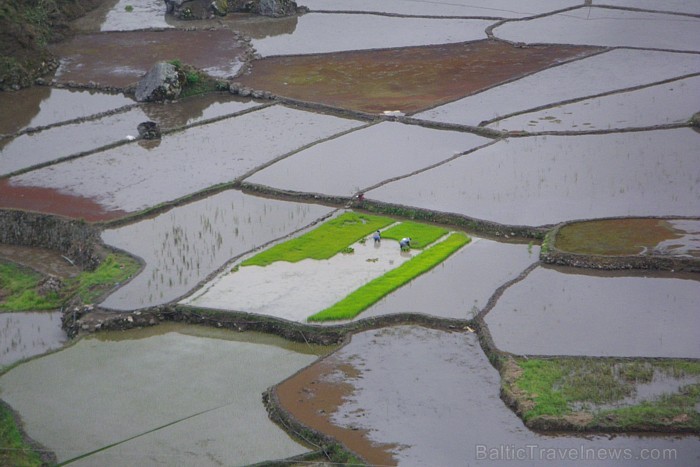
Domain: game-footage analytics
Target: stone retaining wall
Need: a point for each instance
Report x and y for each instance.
(76, 240)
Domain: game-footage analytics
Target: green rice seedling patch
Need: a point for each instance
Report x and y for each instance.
(324, 242)
(421, 235)
(373, 291)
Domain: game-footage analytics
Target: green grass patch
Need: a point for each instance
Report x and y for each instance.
(370, 293)
(18, 290)
(421, 235)
(115, 268)
(13, 450)
(324, 242)
(559, 387)
(18, 285)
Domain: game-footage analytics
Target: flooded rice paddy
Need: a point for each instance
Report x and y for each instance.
(408, 395)
(614, 70)
(654, 105)
(388, 150)
(475, 8)
(27, 334)
(609, 28)
(182, 246)
(571, 312)
(402, 395)
(559, 178)
(132, 177)
(168, 394)
(321, 33)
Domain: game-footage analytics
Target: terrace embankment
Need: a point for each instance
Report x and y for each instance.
(625, 243)
(77, 240)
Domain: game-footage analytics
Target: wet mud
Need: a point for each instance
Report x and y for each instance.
(120, 59)
(43, 260)
(369, 80)
(564, 311)
(667, 237)
(416, 394)
(53, 201)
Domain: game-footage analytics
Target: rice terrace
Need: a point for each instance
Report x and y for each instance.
(343, 232)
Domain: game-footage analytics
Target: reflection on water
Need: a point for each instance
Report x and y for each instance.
(420, 393)
(184, 245)
(170, 397)
(565, 311)
(24, 335)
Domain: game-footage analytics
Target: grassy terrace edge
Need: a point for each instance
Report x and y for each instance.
(578, 393)
(362, 298)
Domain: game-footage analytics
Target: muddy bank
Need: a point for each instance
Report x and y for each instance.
(77, 240)
(616, 239)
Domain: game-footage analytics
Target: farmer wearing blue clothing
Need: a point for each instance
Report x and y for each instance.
(405, 244)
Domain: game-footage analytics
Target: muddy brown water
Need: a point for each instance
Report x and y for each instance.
(182, 246)
(120, 59)
(368, 80)
(414, 396)
(564, 311)
(26, 334)
(169, 394)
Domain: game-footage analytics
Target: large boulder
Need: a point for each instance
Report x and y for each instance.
(162, 83)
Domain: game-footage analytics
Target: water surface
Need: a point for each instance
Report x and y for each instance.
(413, 396)
(610, 71)
(609, 28)
(131, 177)
(183, 246)
(322, 33)
(569, 312)
(27, 334)
(159, 398)
(552, 179)
(656, 105)
(388, 150)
